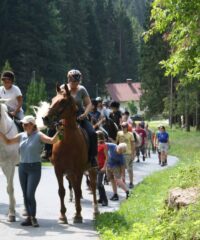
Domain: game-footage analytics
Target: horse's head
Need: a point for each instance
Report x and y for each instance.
(111, 127)
(63, 106)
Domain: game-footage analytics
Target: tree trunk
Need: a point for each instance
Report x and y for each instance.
(187, 123)
(198, 112)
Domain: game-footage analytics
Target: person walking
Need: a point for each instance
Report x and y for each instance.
(30, 146)
(149, 144)
(116, 114)
(139, 130)
(127, 137)
(102, 162)
(163, 139)
(156, 144)
(115, 168)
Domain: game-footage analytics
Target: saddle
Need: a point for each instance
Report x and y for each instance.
(85, 135)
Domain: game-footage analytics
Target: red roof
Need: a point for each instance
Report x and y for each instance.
(123, 92)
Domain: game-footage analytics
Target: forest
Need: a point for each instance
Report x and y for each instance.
(152, 42)
(45, 39)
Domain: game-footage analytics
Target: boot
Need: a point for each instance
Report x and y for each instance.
(102, 195)
(26, 222)
(34, 222)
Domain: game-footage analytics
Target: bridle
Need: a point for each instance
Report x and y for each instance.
(56, 121)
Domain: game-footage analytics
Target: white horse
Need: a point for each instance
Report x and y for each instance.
(9, 156)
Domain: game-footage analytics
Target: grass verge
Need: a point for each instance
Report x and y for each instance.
(145, 216)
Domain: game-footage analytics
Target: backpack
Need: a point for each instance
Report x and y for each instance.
(137, 138)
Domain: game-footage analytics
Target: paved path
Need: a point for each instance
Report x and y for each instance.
(48, 207)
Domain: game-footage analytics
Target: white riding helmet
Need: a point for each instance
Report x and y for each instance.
(76, 74)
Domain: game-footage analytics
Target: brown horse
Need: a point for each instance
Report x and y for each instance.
(70, 155)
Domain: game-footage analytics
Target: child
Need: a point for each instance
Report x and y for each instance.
(115, 168)
(102, 161)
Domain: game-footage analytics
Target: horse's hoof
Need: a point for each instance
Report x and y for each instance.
(78, 219)
(11, 218)
(62, 220)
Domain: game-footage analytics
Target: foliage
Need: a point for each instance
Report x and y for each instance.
(36, 93)
(179, 21)
(132, 107)
(145, 215)
(50, 37)
(6, 67)
(154, 84)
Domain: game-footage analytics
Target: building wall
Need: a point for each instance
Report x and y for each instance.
(124, 106)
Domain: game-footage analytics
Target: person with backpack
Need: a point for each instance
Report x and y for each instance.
(142, 148)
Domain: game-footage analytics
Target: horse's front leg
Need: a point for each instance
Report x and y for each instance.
(9, 171)
(93, 179)
(76, 183)
(61, 192)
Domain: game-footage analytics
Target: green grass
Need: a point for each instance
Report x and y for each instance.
(145, 215)
(47, 164)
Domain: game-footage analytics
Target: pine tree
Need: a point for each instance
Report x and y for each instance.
(36, 92)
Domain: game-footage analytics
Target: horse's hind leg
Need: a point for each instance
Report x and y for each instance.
(9, 171)
(76, 183)
(70, 190)
(61, 192)
(93, 177)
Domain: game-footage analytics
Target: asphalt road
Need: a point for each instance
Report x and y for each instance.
(48, 206)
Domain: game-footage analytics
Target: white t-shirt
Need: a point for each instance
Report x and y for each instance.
(104, 112)
(11, 94)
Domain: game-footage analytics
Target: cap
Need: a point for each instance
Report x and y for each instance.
(28, 119)
(98, 99)
(8, 75)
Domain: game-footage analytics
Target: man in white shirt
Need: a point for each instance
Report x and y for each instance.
(12, 94)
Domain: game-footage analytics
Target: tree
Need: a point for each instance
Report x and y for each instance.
(96, 66)
(132, 107)
(31, 39)
(178, 21)
(7, 66)
(155, 86)
(36, 92)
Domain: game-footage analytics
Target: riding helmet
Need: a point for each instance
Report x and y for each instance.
(76, 74)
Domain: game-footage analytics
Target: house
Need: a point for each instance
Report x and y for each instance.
(125, 92)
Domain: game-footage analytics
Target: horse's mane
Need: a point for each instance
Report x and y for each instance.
(40, 112)
(4, 107)
(4, 112)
